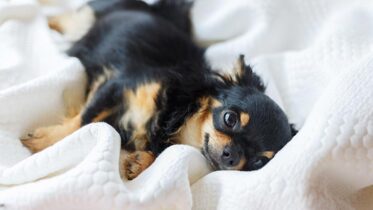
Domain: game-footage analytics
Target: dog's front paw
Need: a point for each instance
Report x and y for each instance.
(136, 162)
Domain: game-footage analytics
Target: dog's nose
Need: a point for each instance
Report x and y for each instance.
(230, 156)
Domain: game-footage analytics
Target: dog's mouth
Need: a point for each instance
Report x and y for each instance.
(206, 152)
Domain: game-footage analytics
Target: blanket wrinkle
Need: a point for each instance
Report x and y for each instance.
(315, 57)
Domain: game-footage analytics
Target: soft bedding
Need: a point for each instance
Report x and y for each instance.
(316, 58)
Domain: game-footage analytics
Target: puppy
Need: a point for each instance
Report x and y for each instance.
(151, 82)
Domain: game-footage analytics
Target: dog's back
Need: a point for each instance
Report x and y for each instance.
(141, 41)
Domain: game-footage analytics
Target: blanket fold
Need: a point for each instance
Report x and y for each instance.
(315, 57)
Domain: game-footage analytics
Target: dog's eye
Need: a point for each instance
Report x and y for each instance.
(230, 119)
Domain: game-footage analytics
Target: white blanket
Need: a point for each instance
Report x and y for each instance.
(316, 57)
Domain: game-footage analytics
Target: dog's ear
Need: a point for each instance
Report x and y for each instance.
(243, 75)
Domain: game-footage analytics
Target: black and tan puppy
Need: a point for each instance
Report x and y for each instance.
(150, 81)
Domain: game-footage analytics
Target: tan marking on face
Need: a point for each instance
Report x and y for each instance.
(240, 165)
(74, 25)
(245, 118)
(44, 137)
(218, 140)
(141, 107)
(216, 103)
(190, 133)
(268, 154)
(194, 130)
(221, 138)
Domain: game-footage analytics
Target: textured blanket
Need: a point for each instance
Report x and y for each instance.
(315, 56)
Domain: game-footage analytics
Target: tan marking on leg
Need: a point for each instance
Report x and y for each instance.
(103, 115)
(44, 137)
(245, 118)
(94, 87)
(139, 138)
(132, 164)
(74, 25)
(72, 105)
(141, 108)
(98, 82)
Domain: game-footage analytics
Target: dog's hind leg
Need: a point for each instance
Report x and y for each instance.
(44, 137)
(74, 25)
(99, 106)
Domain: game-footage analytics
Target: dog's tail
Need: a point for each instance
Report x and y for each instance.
(176, 11)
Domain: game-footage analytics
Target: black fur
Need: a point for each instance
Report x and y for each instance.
(144, 44)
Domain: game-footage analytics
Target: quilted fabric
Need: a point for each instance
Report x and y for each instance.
(315, 56)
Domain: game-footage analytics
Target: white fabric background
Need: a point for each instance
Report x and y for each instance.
(316, 57)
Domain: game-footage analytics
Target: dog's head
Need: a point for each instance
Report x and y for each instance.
(241, 127)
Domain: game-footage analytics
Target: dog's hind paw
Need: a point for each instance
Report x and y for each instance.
(44, 137)
(37, 140)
